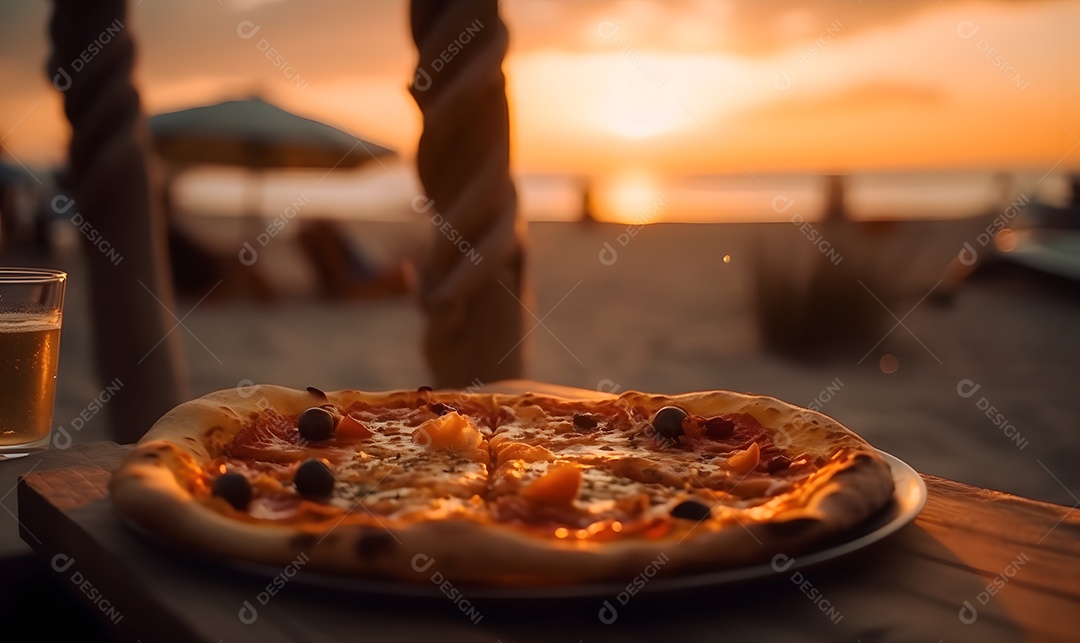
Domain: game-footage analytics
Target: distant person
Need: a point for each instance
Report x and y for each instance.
(835, 207)
(588, 203)
(1005, 188)
(9, 219)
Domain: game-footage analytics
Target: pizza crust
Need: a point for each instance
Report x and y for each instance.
(152, 490)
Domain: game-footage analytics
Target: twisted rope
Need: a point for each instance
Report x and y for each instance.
(91, 64)
(474, 316)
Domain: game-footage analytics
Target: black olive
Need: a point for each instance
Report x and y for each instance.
(585, 421)
(314, 480)
(691, 510)
(316, 392)
(779, 463)
(424, 389)
(316, 424)
(234, 488)
(668, 422)
(438, 408)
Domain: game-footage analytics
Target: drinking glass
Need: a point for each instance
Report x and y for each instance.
(31, 311)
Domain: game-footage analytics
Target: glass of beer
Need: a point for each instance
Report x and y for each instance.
(31, 309)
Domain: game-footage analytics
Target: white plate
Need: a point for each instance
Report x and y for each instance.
(909, 497)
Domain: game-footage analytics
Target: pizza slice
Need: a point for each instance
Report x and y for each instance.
(314, 462)
(656, 464)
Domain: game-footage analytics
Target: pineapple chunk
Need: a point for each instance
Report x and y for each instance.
(744, 461)
(525, 452)
(451, 431)
(556, 487)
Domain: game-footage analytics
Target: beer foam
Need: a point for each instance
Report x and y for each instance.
(28, 322)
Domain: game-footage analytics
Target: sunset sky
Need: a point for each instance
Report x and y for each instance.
(690, 87)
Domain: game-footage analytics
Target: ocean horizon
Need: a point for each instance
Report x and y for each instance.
(391, 191)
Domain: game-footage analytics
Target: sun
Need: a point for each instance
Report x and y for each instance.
(638, 103)
(632, 196)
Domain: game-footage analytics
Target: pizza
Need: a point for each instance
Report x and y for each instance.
(497, 489)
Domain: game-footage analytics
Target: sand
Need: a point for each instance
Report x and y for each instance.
(670, 315)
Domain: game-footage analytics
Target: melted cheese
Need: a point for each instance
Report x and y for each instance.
(414, 465)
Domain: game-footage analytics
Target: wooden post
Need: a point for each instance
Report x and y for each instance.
(120, 216)
(472, 286)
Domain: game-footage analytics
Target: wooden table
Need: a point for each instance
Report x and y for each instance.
(912, 586)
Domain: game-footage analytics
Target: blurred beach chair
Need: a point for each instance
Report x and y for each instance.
(198, 271)
(343, 270)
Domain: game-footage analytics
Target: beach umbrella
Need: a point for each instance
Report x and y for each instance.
(253, 133)
(256, 135)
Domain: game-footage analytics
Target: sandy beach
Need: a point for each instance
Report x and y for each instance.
(979, 390)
